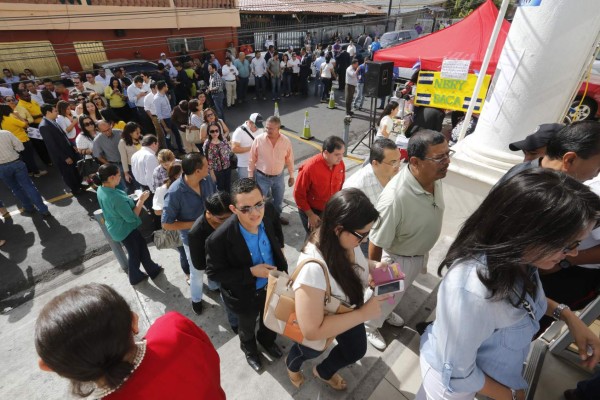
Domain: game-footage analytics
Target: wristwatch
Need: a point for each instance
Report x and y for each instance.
(558, 310)
(564, 263)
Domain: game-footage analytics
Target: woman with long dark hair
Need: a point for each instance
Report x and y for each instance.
(130, 143)
(88, 335)
(217, 152)
(346, 222)
(66, 120)
(122, 219)
(90, 108)
(385, 122)
(85, 146)
(117, 99)
(491, 300)
(210, 115)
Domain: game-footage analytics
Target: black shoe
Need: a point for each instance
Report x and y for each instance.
(46, 215)
(197, 307)
(234, 329)
(254, 361)
(571, 394)
(140, 281)
(273, 350)
(27, 213)
(421, 326)
(156, 275)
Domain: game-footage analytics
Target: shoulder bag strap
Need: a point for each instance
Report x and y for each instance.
(325, 272)
(247, 131)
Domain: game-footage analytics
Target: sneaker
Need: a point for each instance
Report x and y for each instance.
(376, 340)
(197, 307)
(395, 320)
(41, 173)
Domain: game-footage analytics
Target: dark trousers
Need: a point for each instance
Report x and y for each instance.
(351, 347)
(242, 89)
(69, 174)
(304, 219)
(175, 132)
(260, 85)
(295, 83)
(303, 84)
(185, 266)
(223, 179)
(589, 389)
(28, 157)
(137, 251)
(147, 125)
(326, 88)
(349, 95)
(40, 148)
(573, 286)
(247, 327)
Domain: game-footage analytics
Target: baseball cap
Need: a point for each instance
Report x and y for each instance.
(162, 54)
(539, 138)
(257, 119)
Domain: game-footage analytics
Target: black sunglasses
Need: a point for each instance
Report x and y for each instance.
(359, 236)
(213, 131)
(89, 124)
(572, 246)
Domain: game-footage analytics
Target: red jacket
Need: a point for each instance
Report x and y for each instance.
(180, 363)
(316, 183)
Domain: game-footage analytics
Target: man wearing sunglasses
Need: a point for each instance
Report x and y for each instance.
(411, 208)
(574, 150)
(239, 255)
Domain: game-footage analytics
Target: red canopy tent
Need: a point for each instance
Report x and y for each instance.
(465, 40)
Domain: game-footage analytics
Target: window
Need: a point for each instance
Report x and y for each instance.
(37, 56)
(177, 45)
(89, 53)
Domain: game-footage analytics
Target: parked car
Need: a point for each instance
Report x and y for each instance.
(393, 38)
(589, 107)
(132, 67)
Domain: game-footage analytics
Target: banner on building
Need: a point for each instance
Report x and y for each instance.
(449, 94)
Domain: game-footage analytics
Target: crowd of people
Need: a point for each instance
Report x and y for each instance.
(529, 253)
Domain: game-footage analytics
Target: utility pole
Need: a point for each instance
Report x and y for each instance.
(387, 22)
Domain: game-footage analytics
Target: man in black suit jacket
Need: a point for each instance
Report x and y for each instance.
(63, 154)
(305, 61)
(239, 255)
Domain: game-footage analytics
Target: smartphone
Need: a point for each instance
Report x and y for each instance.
(390, 287)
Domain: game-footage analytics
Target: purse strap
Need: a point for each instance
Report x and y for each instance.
(325, 272)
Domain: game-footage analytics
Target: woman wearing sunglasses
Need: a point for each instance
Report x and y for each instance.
(346, 222)
(491, 300)
(218, 152)
(85, 146)
(210, 115)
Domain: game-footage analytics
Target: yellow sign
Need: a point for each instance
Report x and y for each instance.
(449, 94)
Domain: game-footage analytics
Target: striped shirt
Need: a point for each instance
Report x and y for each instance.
(10, 147)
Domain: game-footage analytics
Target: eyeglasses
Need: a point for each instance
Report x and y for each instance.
(444, 157)
(89, 124)
(572, 246)
(10, 99)
(213, 131)
(394, 163)
(248, 209)
(210, 115)
(359, 236)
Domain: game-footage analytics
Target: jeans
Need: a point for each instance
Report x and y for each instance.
(28, 157)
(360, 98)
(185, 266)
(589, 389)
(275, 185)
(318, 84)
(224, 179)
(351, 347)
(304, 219)
(242, 172)
(14, 175)
(286, 84)
(275, 88)
(175, 132)
(196, 276)
(260, 85)
(242, 88)
(137, 251)
(217, 99)
(247, 327)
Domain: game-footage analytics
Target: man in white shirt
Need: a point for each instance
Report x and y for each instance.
(230, 74)
(165, 61)
(147, 81)
(93, 85)
(259, 70)
(241, 141)
(351, 82)
(351, 49)
(144, 161)
(269, 42)
(5, 89)
(150, 110)
(136, 94)
(34, 93)
(102, 78)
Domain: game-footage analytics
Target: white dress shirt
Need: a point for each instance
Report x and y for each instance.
(132, 93)
(149, 103)
(37, 97)
(143, 163)
(229, 72)
(259, 66)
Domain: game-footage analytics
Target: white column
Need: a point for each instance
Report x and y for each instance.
(548, 47)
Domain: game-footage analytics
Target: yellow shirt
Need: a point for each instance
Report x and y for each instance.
(23, 113)
(119, 125)
(115, 100)
(33, 107)
(16, 127)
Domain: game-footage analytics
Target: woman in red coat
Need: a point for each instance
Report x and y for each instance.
(86, 334)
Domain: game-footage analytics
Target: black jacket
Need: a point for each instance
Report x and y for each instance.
(197, 236)
(228, 260)
(57, 143)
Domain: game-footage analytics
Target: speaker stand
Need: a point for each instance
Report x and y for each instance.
(369, 135)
